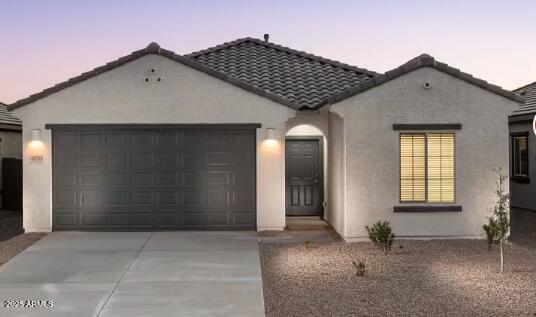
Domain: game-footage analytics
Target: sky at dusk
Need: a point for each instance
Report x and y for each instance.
(46, 42)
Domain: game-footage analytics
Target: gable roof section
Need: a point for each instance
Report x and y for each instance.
(153, 48)
(529, 106)
(7, 118)
(302, 78)
(292, 78)
(418, 62)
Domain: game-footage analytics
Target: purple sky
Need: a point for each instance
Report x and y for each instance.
(46, 42)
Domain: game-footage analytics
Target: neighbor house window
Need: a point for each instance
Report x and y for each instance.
(520, 155)
(427, 172)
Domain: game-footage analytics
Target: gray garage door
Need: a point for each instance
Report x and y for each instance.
(153, 178)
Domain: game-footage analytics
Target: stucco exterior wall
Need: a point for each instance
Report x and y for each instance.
(336, 169)
(10, 146)
(183, 95)
(522, 194)
(372, 152)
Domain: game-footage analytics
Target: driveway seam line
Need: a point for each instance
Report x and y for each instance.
(124, 273)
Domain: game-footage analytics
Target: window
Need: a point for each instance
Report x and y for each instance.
(520, 155)
(427, 167)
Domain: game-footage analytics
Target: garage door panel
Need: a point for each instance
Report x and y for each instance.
(116, 158)
(217, 178)
(218, 198)
(67, 219)
(167, 138)
(66, 198)
(90, 139)
(167, 179)
(193, 159)
(92, 179)
(116, 139)
(194, 179)
(93, 219)
(142, 138)
(143, 198)
(167, 159)
(116, 198)
(90, 198)
(141, 179)
(243, 218)
(147, 179)
(218, 138)
(142, 158)
(117, 178)
(170, 198)
(91, 158)
(194, 198)
(66, 178)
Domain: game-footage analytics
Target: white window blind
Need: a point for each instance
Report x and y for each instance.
(427, 167)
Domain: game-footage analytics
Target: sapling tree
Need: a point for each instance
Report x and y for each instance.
(498, 226)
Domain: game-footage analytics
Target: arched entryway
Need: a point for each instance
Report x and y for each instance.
(305, 171)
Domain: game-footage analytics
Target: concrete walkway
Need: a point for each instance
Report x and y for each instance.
(136, 274)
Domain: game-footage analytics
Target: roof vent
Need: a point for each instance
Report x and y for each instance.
(153, 47)
(266, 37)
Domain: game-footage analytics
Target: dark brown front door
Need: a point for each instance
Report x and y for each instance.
(304, 183)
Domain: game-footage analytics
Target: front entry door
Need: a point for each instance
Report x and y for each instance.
(304, 183)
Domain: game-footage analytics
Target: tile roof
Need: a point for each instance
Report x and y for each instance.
(529, 106)
(423, 60)
(152, 48)
(304, 79)
(292, 78)
(8, 118)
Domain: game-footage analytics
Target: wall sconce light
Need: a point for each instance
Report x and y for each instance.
(270, 134)
(36, 135)
(36, 148)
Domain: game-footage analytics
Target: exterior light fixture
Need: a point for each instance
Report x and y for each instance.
(36, 147)
(36, 135)
(270, 134)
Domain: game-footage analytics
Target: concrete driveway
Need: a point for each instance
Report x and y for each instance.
(136, 274)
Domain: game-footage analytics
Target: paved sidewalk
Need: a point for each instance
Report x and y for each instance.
(136, 274)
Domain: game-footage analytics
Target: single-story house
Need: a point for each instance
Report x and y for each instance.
(243, 134)
(10, 146)
(523, 156)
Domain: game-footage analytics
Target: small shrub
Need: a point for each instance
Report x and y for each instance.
(359, 268)
(307, 244)
(381, 235)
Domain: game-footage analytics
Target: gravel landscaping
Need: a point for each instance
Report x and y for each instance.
(15, 245)
(418, 278)
(12, 239)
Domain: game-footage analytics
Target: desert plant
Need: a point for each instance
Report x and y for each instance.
(381, 235)
(498, 226)
(359, 268)
(489, 235)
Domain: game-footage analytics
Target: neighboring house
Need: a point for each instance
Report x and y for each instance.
(10, 138)
(242, 134)
(523, 151)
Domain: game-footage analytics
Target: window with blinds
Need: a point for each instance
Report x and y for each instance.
(412, 167)
(427, 172)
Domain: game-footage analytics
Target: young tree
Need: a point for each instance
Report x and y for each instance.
(498, 226)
